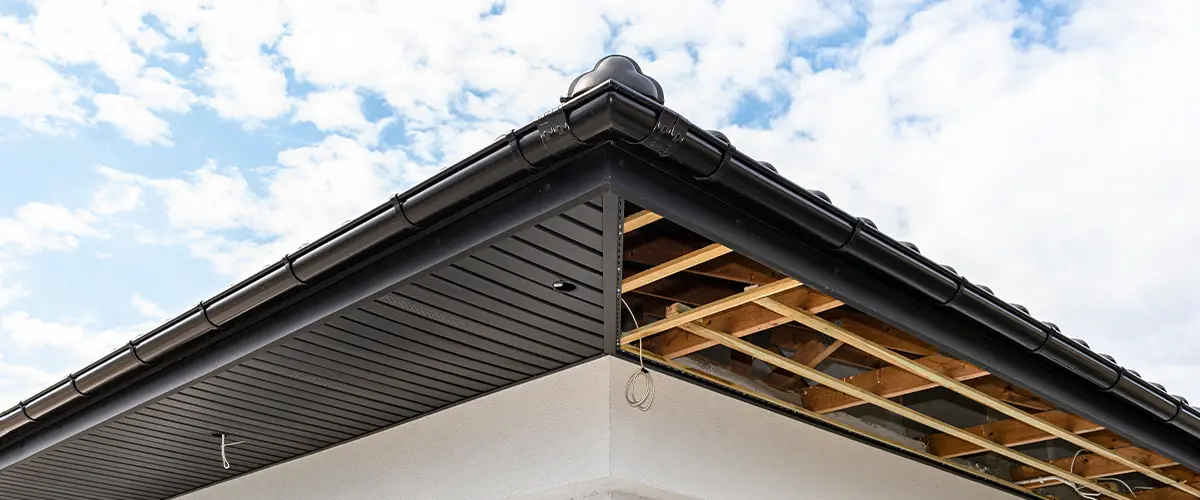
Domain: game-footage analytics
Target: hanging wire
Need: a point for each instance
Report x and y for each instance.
(643, 403)
(224, 459)
(1091, 495)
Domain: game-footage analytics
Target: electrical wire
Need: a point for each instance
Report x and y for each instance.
(643, 403)
(1090, 495)
(224, 459)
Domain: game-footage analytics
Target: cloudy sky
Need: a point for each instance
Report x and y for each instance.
(154, 151)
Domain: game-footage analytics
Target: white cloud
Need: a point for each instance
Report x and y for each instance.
(136, 122)
(31, 91)
(20, 381)
(115, 197)
(9, 289)
(73, 343)
(148, 308)
(311, 190)
(340, 110)
(39, 226)
(1060, 177)
(245, 83)
(1059, 171)
(336, 109)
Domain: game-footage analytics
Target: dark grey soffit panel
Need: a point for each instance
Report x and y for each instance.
(303, 379)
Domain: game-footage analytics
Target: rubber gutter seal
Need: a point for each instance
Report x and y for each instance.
(775, 199)
(487, 171)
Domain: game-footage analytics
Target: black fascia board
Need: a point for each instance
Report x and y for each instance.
(491, 219)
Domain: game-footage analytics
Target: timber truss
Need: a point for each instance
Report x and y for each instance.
(716, 315)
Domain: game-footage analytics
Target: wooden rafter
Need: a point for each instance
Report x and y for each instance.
(888, 382)
(685, 289)
(1008, 393)
(710, 309)
(879, 332)
(1166, 493)
(786, 405)
(823, 326)
(640, 219)
(1090, 465)
(673, 266)
(656, 249)
(884, 338)
(741, 321)
(887, 404)
(1008, 433)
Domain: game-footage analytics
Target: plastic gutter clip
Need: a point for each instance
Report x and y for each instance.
(726, 157)
(204, 313)
(553, 126)
(668, 133)
(25, 411)
(287, 262)
(71, 378)
(514, 148)
(132, 351)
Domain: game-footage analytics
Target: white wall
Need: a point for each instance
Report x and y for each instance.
(572, 436)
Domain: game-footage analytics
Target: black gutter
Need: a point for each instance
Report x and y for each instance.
(1096, 386)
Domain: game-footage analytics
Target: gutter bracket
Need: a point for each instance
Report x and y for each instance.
(514, 148)
(287, 262)
(553, 128)
(71, 378)
(668, 133)
(858, 224)
(26, 412)
(133, 351)
(204, 312)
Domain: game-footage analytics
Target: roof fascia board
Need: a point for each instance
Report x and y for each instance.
(696, 205)
(507, 212)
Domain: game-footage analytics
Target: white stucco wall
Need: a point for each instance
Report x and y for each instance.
(571, 436)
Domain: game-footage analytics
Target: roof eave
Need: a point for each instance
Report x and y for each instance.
(1089, 384)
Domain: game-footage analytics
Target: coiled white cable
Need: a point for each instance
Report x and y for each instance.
(643, 403)
(224, 460)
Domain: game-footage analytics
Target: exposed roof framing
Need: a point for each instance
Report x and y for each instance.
(372, 325)
(912, 366)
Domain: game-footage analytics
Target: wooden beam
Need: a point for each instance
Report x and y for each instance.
(673, 266)
(1008, 433)
(879, 332)
(1093, 466)
(686, 289)
(657, 249)
(710, 309)
(1166, 493)
(741, 321)
(827, 352)
(793, 340)
(812, 353)
(640, 219)
(800, 410)
(821, 325)
(888, 382)
(1004, 391)
(892, 406)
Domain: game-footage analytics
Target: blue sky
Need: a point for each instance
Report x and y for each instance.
(151, 153)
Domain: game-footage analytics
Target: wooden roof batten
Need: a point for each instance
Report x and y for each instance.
(761, 307)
